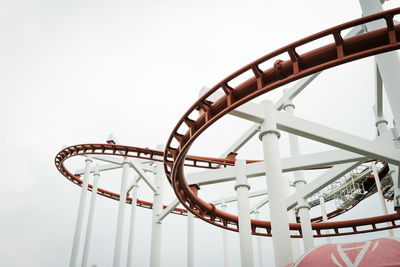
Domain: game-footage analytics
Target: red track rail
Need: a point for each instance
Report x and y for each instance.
(143, 153)
(127, 151)
(340, 51)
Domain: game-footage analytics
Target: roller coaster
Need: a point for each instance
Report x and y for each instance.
(357, 169)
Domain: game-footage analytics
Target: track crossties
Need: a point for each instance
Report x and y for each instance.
(338, 52)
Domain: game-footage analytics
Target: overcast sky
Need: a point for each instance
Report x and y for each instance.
(75, 71)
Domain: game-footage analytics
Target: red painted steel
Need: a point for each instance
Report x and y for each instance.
(145, 153)
(340, 51)
(128, 151)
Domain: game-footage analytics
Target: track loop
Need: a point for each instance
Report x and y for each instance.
(338, 52)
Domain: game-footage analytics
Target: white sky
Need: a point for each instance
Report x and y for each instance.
(74, 71)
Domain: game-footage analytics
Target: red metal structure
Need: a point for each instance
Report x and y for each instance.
(339, 52)
(207, 112)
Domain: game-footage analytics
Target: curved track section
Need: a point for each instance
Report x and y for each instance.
(340, 51)
(148, 154)
(127, 151)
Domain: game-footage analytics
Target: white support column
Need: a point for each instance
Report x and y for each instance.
(242, 189)
(155, 250)
(380, 194)
(135, 189)
(396, 184)
(381, 123)
(190, 232)
(225, 240)
(324, 215)
(383, 131)
(89, 226)
(303, 208)
(259, 247)
(388, 63)
(305, 221)
(294, 241)
(279, 219)
(81, 209)
(190, 240)
(121, 214)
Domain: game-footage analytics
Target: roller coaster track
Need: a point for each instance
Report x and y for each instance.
(340, 51)
(127, 151)
(154, 155)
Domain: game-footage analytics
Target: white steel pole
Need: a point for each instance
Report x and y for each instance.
(190, 232)
(388, 63)
(279, 219)
(132, 223)
(190, 239)
(324, 215)
(89, 226)
(305, 221)
(259, 247)
(381, 125)
(121, 214)
(225, 239)
(380, 194)
(304, 209)
(155, 250)
(242, 190)
(294, 241)
(396, 184)
(81, 209)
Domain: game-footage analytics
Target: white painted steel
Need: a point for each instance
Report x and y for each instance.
(294, 241)
(81, 210)
(259, 246)
(378, 92)
(396, 184)
(234, 198)
(242, 189)
(283, 253)
(241, 141)
(249, 111)
(89, 226)
(119, 161)
(135, 189)
(380, 194)
(305, 221)
(307, 161)
(121, 214)
(388, 63)
(175, 203)
(225, 240)
(105, 167)
(156, 226)
(317, 132)
(303, 208)
(259, 204)
(381, 123)
(385, 133)
(190, 240)
(323, 134)
(138, 167)
(320, 182)
(324, 215)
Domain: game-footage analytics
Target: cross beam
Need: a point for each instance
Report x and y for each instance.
(323, 134)
(175, 203)
(320, 182)
(257, 169)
